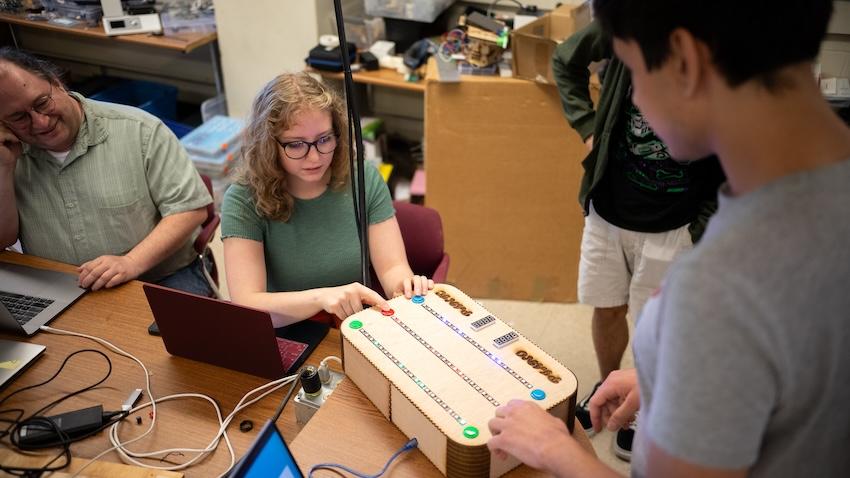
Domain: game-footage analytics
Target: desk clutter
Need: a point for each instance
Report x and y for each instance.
(439, 365)
(481, 43)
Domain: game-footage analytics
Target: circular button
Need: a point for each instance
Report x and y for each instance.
(388, 312)
(417, 299)
(355, 324)
(470, 432)
(538, 394)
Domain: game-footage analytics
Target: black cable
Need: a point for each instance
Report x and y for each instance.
(354, 121)
(288, 394)
(65, 441)
(30, 387)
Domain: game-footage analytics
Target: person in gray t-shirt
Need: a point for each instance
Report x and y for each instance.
(741, 355)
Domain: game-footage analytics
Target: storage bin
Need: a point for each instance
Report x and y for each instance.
(175, 22)
(155, 98)
(90, 14)
(418, 10)
(217, 166)
(215, 137)
(217, 105)
(364, 31)
(179, 129)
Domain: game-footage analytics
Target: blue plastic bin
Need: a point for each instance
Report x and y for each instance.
(179, 129)
(155, 98)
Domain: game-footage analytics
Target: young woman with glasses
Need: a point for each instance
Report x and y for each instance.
(290, 237)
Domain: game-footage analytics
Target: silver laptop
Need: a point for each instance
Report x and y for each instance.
(15, 357)
(31, 297)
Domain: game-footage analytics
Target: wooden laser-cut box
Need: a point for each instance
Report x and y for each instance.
(438, 367)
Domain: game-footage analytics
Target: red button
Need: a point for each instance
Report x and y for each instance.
(388, 312)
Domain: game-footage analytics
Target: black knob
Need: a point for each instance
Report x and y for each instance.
(310, 381)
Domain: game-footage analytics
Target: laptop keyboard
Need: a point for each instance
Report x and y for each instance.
(23, 307)
(290, 351)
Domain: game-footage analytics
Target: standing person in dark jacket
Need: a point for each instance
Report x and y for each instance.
(642, 207)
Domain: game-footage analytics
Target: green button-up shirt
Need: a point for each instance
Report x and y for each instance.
(124, 173)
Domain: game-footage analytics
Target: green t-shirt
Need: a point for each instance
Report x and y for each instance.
(318, 247)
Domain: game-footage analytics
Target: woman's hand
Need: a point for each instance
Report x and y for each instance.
(346, 300)
(416, 285)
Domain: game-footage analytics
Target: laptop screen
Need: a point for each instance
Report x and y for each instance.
(268, 457)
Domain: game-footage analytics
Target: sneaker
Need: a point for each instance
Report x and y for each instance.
(583, 412)
(623, 441)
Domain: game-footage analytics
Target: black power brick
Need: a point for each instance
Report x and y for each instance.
(71, 424)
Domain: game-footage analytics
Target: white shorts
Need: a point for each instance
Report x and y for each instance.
(620, 267)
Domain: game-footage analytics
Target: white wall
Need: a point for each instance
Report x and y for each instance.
(263, 38)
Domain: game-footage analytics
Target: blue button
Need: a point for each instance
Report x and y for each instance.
(538, 394)
(418, 299)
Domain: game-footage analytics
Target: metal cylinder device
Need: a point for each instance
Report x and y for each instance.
(310, 381)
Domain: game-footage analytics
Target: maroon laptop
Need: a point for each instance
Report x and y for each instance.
(231, 336)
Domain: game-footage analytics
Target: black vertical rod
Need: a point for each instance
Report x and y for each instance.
(354, 122)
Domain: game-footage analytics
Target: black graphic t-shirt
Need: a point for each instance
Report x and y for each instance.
(643, 188)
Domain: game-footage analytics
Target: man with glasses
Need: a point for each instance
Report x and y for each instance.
(103, 186)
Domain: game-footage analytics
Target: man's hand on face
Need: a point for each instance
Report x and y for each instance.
(10, 148)
(108, 271)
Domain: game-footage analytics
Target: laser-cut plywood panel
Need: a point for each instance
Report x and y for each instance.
(440, 365)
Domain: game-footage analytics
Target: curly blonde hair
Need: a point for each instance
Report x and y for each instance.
(274, 110)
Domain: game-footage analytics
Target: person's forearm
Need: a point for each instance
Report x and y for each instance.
(570, 460)
(285, 307)
(393, 279)
(9, 210)
(171, 232)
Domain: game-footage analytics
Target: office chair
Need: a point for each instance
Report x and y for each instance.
(202, 242)
(422, 233)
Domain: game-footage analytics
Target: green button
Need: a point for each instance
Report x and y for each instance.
(355, 324)
(470, 432)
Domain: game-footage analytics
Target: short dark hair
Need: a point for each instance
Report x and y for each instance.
(33, 64)
(748, 39)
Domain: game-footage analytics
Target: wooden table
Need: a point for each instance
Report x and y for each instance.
(380, 77)
(349, 430)
(184, 42)
(121, 315)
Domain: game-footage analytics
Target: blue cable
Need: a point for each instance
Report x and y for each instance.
(330, 466)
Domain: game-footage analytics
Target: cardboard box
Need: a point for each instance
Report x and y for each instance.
(503, 170)
(534, 44)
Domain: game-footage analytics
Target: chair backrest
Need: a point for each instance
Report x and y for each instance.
(422, 233)
(208, 228)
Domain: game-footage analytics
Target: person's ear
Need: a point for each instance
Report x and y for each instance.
(688, 57)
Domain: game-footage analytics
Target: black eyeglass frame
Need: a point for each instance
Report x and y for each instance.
(43, 108)
(310, 144)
